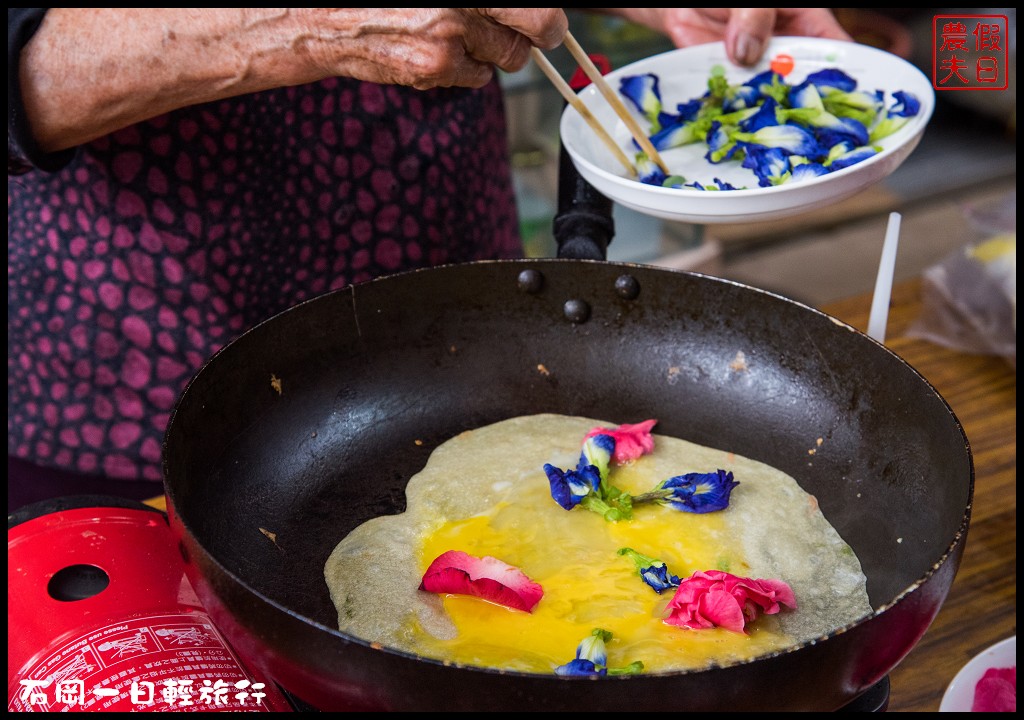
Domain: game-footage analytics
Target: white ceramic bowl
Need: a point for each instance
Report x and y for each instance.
(959, 696)
(683, 75)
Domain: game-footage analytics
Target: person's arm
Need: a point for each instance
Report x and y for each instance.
(89, 71)
(745, 31)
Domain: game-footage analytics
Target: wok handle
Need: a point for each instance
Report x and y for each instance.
(583, 226)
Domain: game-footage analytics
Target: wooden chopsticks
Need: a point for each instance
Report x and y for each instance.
(563, 87)
(613, 99)
(610, 95)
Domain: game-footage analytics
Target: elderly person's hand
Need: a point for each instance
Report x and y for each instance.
(746, 31)
(432, 47)
(90, 71)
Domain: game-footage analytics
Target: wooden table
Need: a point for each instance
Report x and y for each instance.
(981, 608)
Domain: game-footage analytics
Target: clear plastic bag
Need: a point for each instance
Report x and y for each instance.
(970, 297)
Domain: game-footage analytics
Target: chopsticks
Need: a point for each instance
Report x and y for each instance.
(613, 99)
(563, 87)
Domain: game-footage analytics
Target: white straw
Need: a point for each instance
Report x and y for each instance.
(883, 283)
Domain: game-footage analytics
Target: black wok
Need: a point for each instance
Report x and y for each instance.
(314, 421)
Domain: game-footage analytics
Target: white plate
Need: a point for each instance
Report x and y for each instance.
(959, 695)
(683, 75)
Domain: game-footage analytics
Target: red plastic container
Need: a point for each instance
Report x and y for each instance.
(101, 618)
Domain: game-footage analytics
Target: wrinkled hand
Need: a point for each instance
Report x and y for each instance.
(90, 71)
(431, 47)
(746, 31)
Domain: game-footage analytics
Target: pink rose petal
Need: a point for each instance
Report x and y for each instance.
(488, 578)
(714, 598)
(631, 441)
(996, 691)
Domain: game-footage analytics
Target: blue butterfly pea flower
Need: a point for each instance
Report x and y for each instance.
(591, 656)
(653, 572)
(721, 144)
(839, 130)
(647, 171)
(581, 668)
(863, 106)
(699, 492)
(769, 164)
(791, 138)
(659, 578)
(719, 185)
(833, 78)
(687, 111)
(753, 91)
(643, 92)
(805, 171)
(852, 157)
(723, 185)
(569, 487)
(743, 96)
(806, 97)
(764, 117)
(808, 110)
(597, 452)
(906, 105)
(676, 135)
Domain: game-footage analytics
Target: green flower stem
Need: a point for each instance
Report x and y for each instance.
(650, 497)
(620, 507)
(634, 668)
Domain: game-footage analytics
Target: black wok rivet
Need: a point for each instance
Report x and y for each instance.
(530, 281)
(577, 311)
(627, 287)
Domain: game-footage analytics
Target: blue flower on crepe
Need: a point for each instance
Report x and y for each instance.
(587, 485)
(653, 572)
(697, 492)
(569, 487)
(592, 658)
(580, 668)
(597, 452)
